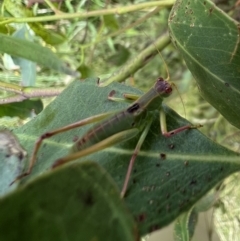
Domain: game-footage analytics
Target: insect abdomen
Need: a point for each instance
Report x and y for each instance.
(117, 123)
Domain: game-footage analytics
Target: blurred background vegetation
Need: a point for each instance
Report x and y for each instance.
(100, 46)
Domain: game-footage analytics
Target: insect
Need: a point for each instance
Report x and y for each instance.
(114, 128)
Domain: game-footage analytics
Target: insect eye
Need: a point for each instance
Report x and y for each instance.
(168, 90)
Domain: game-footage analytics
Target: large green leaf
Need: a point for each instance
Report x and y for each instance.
(79, 202)
(170, 174)
(210, 45)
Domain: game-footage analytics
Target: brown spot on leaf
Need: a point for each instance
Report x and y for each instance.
(141, 217)
(87, 199)
(163, 156)
(171, 146)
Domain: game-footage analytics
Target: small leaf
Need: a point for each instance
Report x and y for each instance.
(28, 71)
(185, 225)
(11, 164)
(111, 22)
(86, 71)
(226, 216)
(120, 57)
(207, 202)
(23, 109)
(210, 44)
(28, 68)
(77, 202)
(48, 36)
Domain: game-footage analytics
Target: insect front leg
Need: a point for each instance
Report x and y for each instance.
(163, 126)
(126, 97)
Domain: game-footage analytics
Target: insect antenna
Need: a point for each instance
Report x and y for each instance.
(180, 99)
(168, 76)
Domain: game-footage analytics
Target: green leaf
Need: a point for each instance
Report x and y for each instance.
(28, 71)
(34, 52)
(48, 36)
(207, 202)
(210, 45)
(120, 57)
(23, 109)
(226, 216)
(11, 164)
(170, 174)
(4, 28)
(77, 202)
(18, 10)
(111, 22)
(185, 225)
(28, 68)
(86, 71)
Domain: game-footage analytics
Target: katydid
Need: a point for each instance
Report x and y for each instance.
(114, 128)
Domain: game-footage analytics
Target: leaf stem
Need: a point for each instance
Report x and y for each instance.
(138, 61)
(81, 15)
(23, 93)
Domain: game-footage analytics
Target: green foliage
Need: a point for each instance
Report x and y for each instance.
(77, 202)
(185, 226)
(34, 52)
(11, 165)
(209, 43)
(17, 9)
(23, 109)
(98, 42)
(227, 212)
(170, 174)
